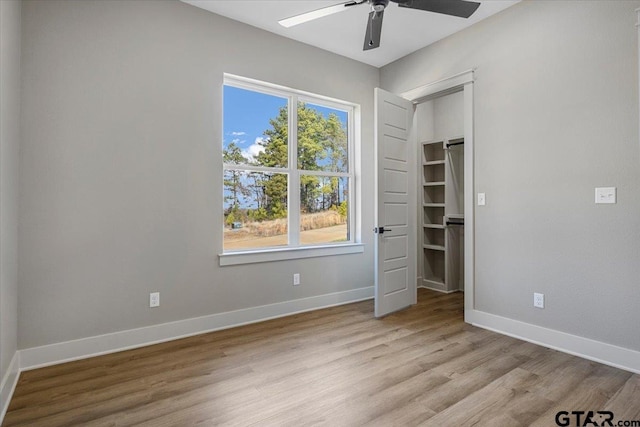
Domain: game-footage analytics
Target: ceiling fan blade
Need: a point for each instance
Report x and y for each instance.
(315, 14)
(374, 30)
(460, 8)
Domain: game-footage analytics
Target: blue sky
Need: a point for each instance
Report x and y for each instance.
(247, 114)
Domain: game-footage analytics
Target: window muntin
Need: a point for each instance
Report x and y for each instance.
(288, 173)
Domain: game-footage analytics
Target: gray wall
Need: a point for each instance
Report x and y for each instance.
(556, 115)
(120, 183)
(9, 143)
(448, 116)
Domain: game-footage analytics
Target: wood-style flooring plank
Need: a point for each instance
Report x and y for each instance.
(333, 367)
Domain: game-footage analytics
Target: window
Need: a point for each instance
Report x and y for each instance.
(288, 168)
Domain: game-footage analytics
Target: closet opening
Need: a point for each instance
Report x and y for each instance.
(440, 130)
(443, 129)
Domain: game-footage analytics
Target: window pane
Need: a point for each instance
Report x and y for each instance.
(255, 210)
(322, 138)
(324, 209)
(255, 128)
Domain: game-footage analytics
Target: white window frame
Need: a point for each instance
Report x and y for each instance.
(294, 249)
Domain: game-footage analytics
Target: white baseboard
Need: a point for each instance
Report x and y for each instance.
(37, 357)
(8, 384)
(618, 357)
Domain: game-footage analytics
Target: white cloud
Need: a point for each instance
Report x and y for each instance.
(238, 133)
(254, 149)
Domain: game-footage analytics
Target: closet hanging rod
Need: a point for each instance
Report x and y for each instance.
(451, 144)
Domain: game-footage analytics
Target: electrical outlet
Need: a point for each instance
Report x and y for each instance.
(538, 300)
(296, 279)
(482, 199)
(154, 299)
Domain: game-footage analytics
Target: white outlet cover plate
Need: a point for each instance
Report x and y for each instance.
(154, 299)
(482, 199)
(606, 195)
(538, 300)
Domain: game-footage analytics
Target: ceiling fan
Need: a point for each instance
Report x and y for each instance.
(459, 8)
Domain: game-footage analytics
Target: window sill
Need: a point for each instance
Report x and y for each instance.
(251, 257)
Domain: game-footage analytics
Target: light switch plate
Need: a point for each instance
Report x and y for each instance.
(606, 195)
(482, 200)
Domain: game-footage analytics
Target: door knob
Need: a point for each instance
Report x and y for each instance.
(381, 230)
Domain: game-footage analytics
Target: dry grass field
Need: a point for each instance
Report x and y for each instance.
(321, 227)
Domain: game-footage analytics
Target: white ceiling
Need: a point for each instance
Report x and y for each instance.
(403, 31)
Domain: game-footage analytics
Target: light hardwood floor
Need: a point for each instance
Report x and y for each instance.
(334, 367)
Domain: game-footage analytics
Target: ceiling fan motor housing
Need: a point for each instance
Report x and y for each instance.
(379, 5)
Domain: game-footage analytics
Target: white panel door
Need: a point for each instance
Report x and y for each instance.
(396, 195)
